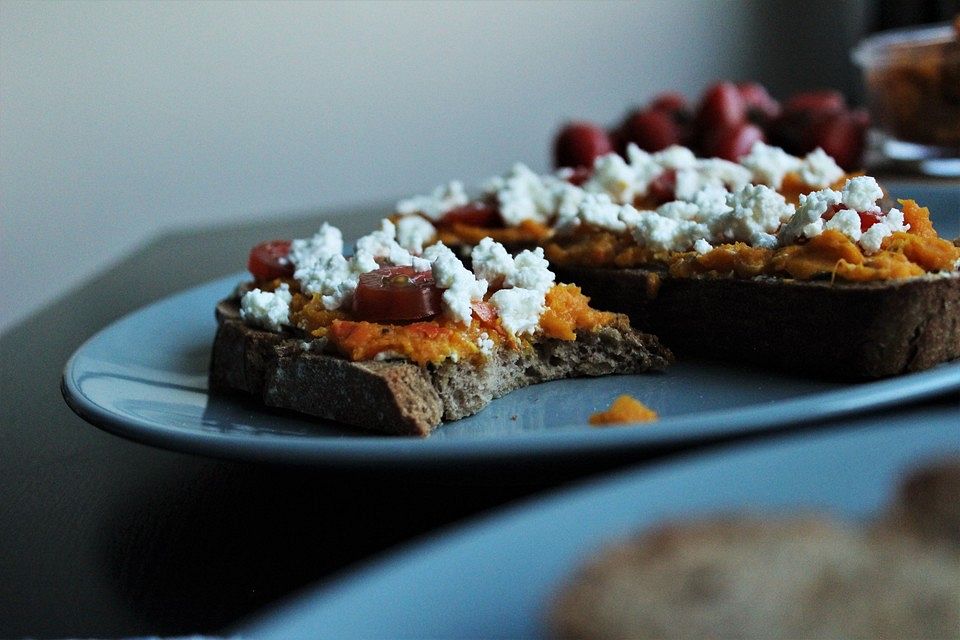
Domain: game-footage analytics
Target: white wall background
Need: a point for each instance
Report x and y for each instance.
(119, 120)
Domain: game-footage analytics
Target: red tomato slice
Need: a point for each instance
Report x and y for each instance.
(268, 260)
(475, 214)
(396, 293)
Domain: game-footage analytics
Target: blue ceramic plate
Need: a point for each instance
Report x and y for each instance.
(145, 378)
(494, 578)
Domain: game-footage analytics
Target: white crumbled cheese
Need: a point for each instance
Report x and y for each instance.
(599, 210)
(326, 242)
(712, 202)
(485, 343)
(819, 169)
(443, 199)
(524, 195)
(413, 232)
(460, 284)
(861, 193)
(847, 222)
(711, 172)
(267, 309)
(623, 180)
(519, 309)
(491, 261)
(381, 248)
(768, 164)
(873, 237)
(613, 176)
(679, 210)
(334, 278)
(757, 213)
(701, 246)
(675, 157)
(657, 232)
(807, 222)
(531, 271)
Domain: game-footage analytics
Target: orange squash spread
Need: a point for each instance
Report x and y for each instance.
(433, 341)
(902, 255)
(624, 409)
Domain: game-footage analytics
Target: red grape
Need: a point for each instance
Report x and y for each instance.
(730, 143)
(722, 107)
(650, 130)
(579, 143)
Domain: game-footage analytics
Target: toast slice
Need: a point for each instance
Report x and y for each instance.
(837, 330)
(399, 397)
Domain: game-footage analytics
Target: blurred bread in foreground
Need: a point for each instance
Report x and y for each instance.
(779, 577)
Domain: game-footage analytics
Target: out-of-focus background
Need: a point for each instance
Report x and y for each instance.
(121, 120)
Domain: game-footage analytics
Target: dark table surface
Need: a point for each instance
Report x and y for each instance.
(102, 537)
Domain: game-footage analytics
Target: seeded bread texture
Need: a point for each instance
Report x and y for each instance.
(399, 397)
(744, 577)
(837, 330)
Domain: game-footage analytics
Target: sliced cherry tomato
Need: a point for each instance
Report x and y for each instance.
(396, 293)
(868, 219)
(268, 260)
(487, 314)
(475, 214)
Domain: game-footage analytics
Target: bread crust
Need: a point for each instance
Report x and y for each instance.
(399, 397)
(837, 330)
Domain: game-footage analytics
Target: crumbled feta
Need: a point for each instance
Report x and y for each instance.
(679, 210)
(460, 284)
(873, 237)
(807, 222)
(381, 248)
(413, 232)
(819, 169)
(327, 241)
(709, 172)
(531, 271)
(485, 343)
(519, 309)
(861, 193)
(675, 157)
(712, 201)
(443, 199)
(267, 309)
(333, 278)
(596, 209)
(701, 246)
(768, 164)
(491, 261)
(847, 222)
(658, 232)
(524, 195)
(757, 212)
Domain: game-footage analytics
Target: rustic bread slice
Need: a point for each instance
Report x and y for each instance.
(748, 577)
(399, 397)
(838, 330)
